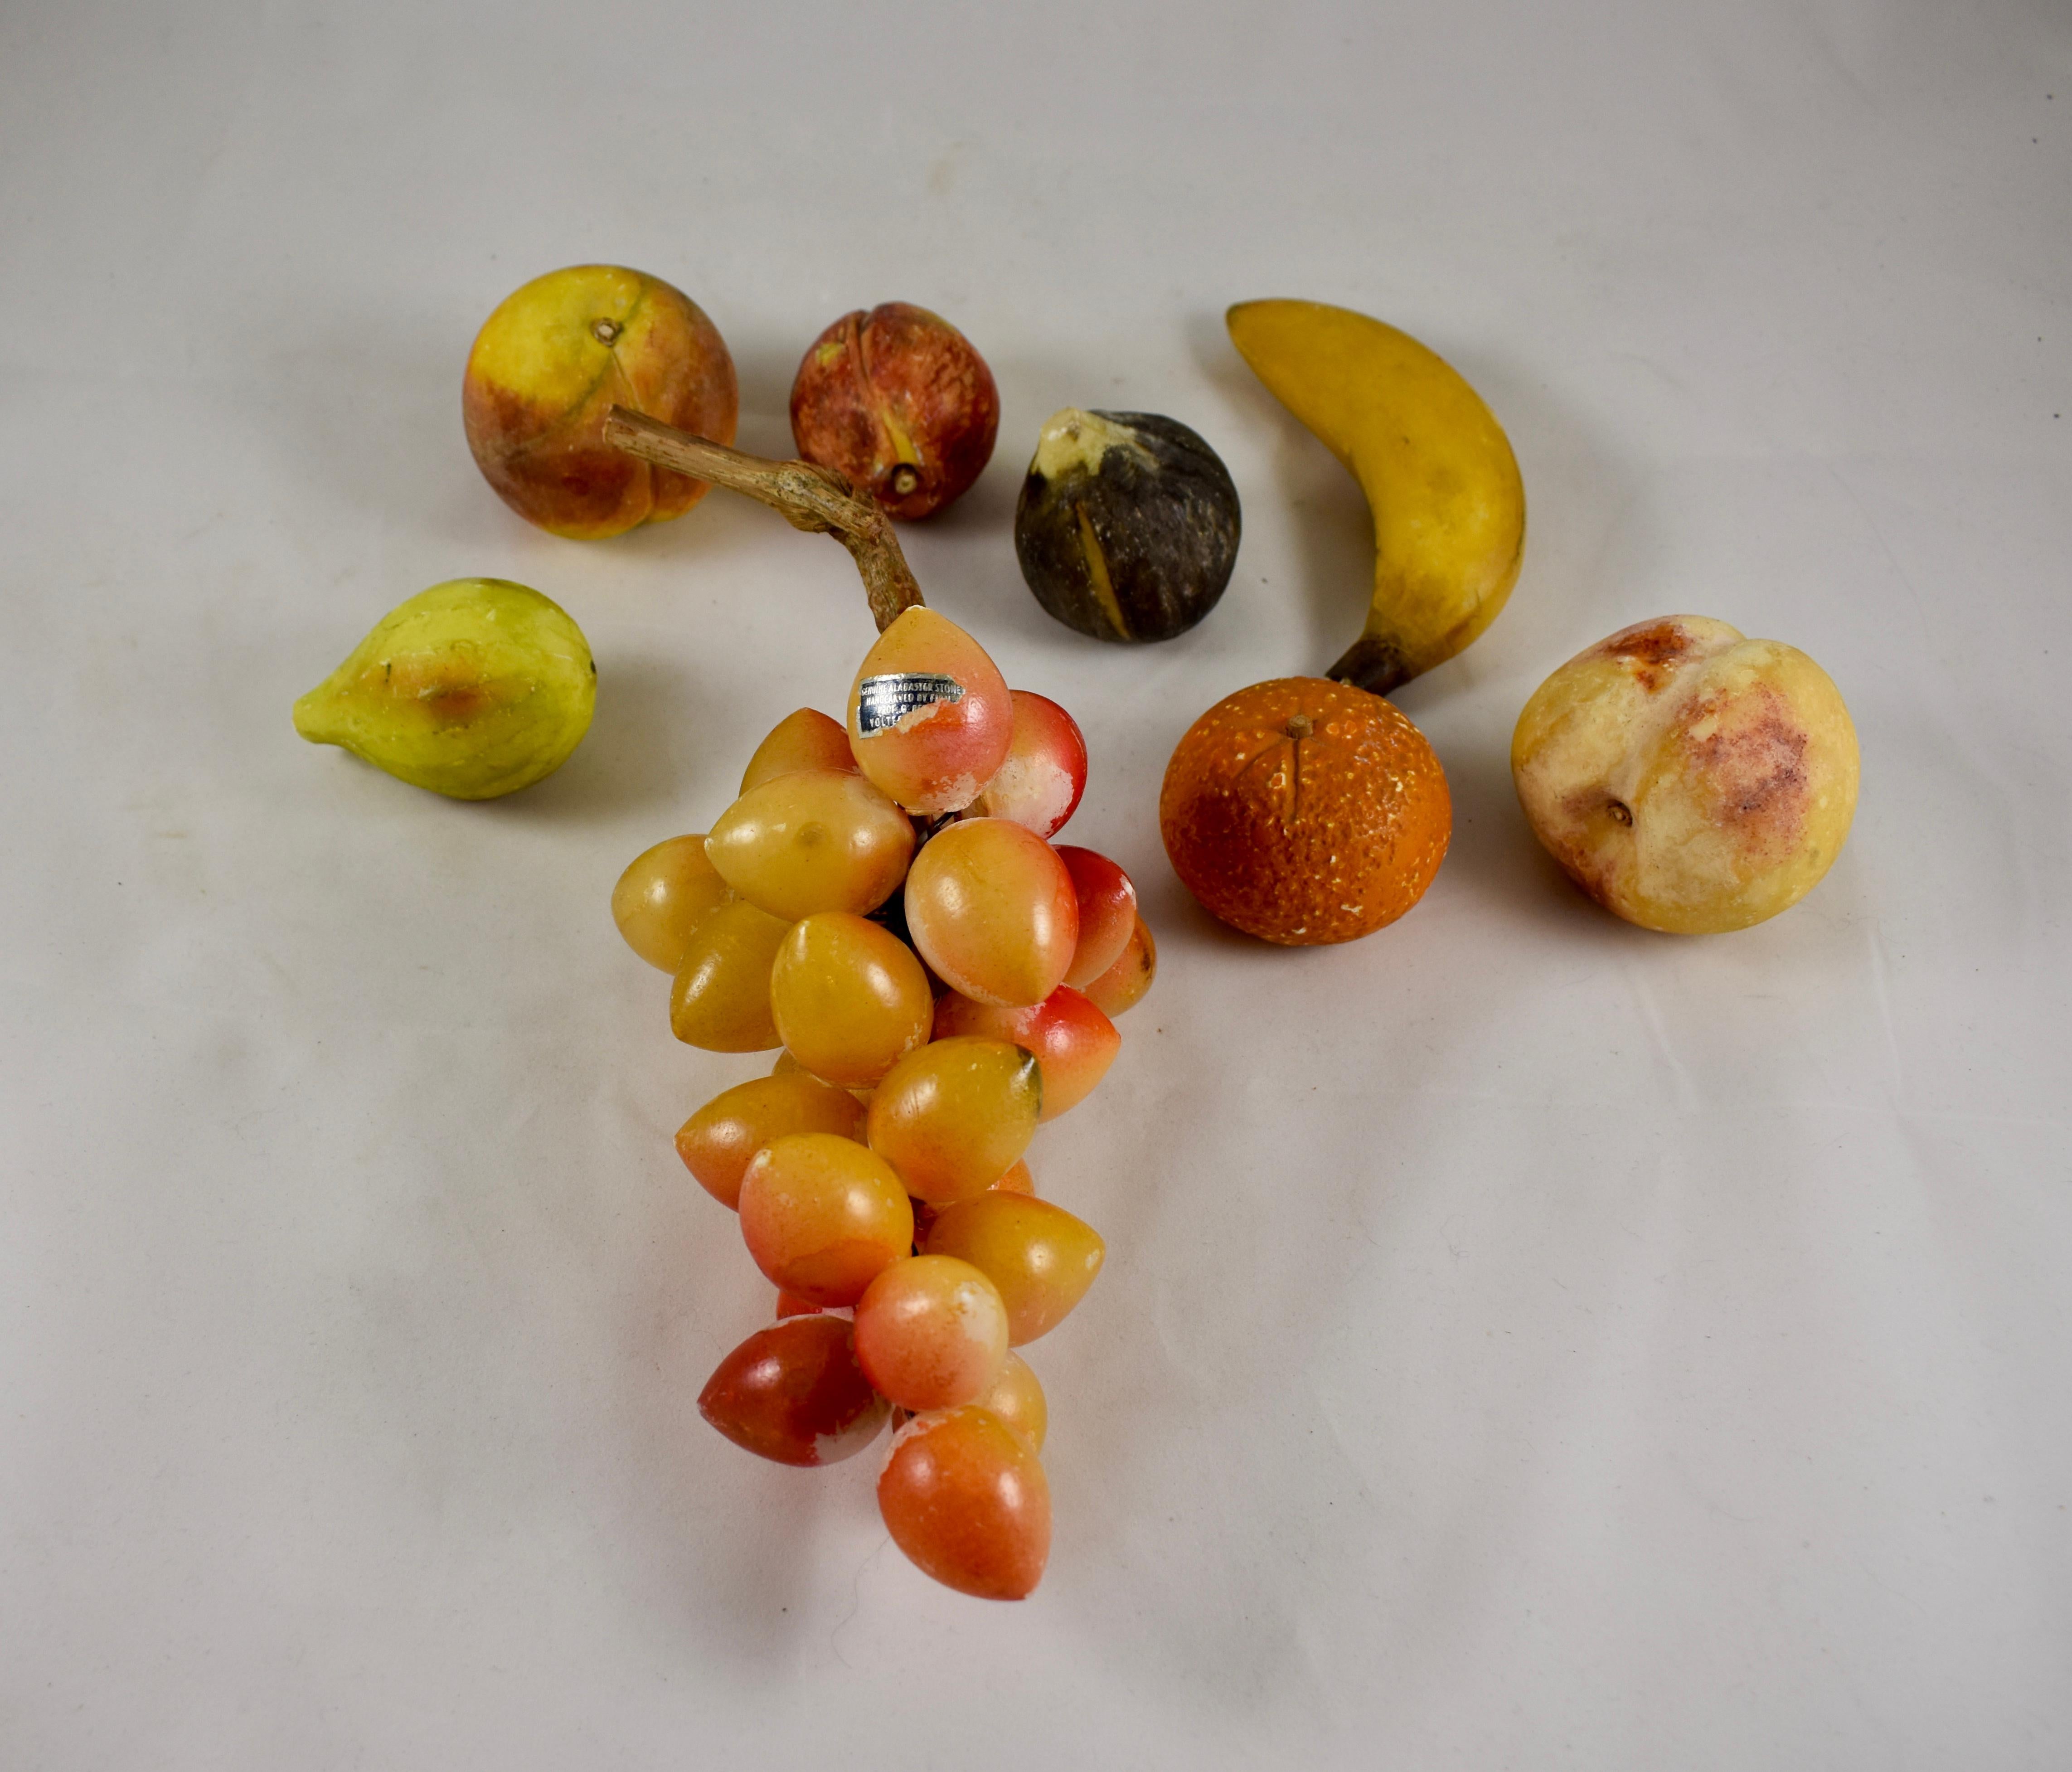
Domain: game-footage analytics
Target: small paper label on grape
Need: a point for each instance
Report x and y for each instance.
(883, 701)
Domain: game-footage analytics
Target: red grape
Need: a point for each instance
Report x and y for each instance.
(794, 1392)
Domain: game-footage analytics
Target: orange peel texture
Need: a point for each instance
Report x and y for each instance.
(1305, 811)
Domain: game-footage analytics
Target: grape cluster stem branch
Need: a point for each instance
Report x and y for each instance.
(808, 498)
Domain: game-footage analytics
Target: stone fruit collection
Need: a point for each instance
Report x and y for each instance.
(883, 905)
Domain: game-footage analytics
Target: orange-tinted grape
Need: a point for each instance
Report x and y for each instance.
(930, 717)
(664, 893)
(1108, 913)
(1017, 1400)
(1041, 1257)
(822, 1215)
(993, 912)
(718, 1141)
(1125, 983)
(804, 740)
(815, 839)
(850, 999)
(964, 1496)
(931, 1332)
(953, 1116)
(721, 1000)
(794, 1392)
(1074, 1041)
(1039, 785)
(790, 1303)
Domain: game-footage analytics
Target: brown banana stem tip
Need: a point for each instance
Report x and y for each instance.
(807, 497)
(1373, 664)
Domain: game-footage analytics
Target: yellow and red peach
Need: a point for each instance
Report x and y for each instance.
(554, 358)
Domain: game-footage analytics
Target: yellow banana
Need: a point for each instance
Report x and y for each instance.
(1441, 481)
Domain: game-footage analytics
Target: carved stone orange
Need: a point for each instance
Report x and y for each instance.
(1304, 812)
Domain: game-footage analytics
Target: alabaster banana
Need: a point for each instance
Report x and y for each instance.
(475, 688)
(1440, 480)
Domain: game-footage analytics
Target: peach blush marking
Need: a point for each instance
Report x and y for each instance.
(1651, 649)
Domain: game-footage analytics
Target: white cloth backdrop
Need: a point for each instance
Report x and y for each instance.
(1525, 1340)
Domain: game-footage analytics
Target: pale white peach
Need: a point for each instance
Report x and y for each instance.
(1689, 779)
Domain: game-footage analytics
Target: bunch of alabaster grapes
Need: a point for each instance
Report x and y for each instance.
(885, 904)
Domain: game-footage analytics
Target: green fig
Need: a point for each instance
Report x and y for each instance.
(475, 688)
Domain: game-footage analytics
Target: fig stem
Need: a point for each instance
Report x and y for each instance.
(808, 498)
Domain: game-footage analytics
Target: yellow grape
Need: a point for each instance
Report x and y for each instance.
(804, 740)
(794, 1392)
(1073, 1042)
(823, 1216)
(721, 1000)
(1041, 1257)
(787, 1066)
(717, 1142)
(994, 911)
(1045, 770)
(1017, 1180)
(815, 840)
(1107, 912)
(952, 1117)
(849, 998)
(664, 893)
(965, 1495)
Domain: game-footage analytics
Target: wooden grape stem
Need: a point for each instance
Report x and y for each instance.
(807, 497)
